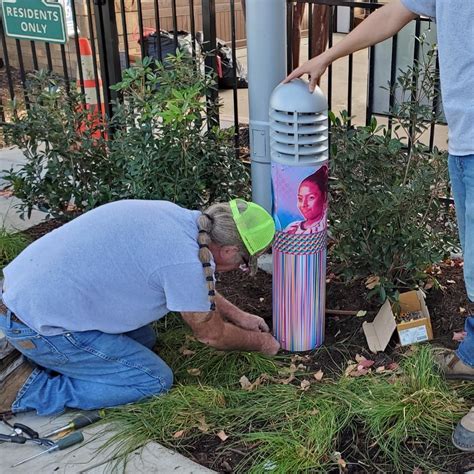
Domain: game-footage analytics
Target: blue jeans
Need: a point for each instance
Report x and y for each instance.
(86, 370)
(461, 171)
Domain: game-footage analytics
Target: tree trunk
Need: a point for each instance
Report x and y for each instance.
(320, 36)
(298, 15)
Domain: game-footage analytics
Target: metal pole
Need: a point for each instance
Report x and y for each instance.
(210, 48)
(107, 38)
(266, 56)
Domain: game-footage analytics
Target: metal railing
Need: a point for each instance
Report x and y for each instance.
(118, 36)
(334, 7)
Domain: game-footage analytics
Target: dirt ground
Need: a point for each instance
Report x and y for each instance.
(344, 336)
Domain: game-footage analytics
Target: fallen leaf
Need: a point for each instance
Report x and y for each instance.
(392, 366)
(187, 352)
(245, 382)
(361, 313)
(365, 364)
(359, 372)
(428, 285)
(372, 282)
(451, 282)
(359, 358)
(459, 336)
(462, 310)
(222, 436)
(194, 372)
(318, 375)
(342, 464)
(380, 369)
(203, 426)
(350, 368)
(7, 193)
(179, 434)
(305, 384)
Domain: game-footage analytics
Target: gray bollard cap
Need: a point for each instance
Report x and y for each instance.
(296, 97)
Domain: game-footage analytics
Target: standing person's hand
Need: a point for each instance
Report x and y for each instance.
(314, 68)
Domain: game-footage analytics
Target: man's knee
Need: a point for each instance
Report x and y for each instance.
(160, 382)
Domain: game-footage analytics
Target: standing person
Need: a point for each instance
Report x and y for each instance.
(79, 301)
(312, 203)
(455, 27)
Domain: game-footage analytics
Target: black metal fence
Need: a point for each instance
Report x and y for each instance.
(118, 32)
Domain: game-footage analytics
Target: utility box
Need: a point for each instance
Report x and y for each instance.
(299, 168)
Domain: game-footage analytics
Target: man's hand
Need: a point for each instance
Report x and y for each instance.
(211, 329)
(251, 322)
(270, 345)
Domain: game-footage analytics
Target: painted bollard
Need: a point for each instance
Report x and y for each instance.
(299, 166)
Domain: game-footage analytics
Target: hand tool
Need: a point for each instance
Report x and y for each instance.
(84, 419)
(59, 445)
(22, 433)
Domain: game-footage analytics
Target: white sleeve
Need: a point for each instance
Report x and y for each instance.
(184, 286)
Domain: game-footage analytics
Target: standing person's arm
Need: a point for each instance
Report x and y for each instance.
(380, 25)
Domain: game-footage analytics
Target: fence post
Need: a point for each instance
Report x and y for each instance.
(107, 39)
(210, 48)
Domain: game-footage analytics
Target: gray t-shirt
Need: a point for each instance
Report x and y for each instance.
(455, 27)
(113, 269)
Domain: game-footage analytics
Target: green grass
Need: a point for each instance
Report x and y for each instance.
(11, 244)
(386, 422)
(216, 368)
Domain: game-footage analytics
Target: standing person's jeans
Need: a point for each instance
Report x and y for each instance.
(461, 171)
(86, 370)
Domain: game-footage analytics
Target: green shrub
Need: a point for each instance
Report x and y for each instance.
(162, 145)
(66, 163)
(386, 216)
(159, 144)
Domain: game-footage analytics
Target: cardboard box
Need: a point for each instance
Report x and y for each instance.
(379, 332)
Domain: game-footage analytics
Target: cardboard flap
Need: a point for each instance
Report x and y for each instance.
(410, 301)
(379, 332)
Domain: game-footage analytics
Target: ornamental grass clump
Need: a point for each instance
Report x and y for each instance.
(393, 421)
(193, 362)
(11, 244)
(407, 420)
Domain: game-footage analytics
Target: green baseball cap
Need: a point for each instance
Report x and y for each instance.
(255, 226)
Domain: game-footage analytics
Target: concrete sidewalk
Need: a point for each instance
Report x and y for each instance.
(84, 457)
(9, 217)
(87, 457)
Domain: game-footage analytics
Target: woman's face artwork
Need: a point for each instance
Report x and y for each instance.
(310, 201)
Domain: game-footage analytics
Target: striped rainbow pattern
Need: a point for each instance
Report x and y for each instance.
(299, 293)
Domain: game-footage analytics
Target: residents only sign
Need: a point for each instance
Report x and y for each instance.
(36, 20)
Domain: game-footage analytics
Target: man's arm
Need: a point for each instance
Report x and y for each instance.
(211, 329)
(380, 25)
(240, 318)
